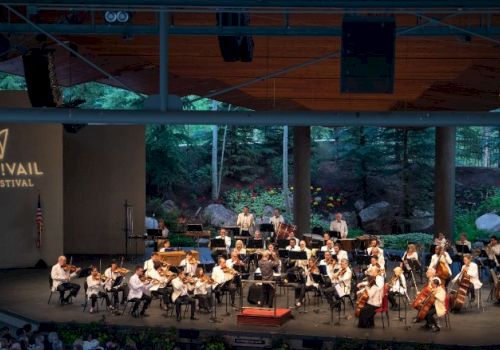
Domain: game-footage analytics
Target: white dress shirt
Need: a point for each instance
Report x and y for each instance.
(149, 265)
(136, 287)
(201, 288)
(110, 278)
(473, 272)
(59, 276)
(180, 289)
(245, 221)
(345, 280)
(399, 285)
(341, 254)
(326, 249)
(339, 226)
(161, 281)
(412, 256)
(94, 286)
(227, 241)
(218, 275)
(189, 269)
(445, 257)
(375, 294)
(294, 249)
(276, 221)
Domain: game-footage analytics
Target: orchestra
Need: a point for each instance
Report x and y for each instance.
(324, 269)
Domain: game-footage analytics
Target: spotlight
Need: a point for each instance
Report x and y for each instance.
(110, 16)
(122, 16)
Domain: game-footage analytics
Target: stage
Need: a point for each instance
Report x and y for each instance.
(25, 293)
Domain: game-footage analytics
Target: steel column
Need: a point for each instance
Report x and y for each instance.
(302, 179)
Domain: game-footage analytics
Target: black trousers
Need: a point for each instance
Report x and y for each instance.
(68, 286)
(300, 291)
(267, 296)
(367, 316)
(146, 299)
(429, 318)
(331, 295)
(100, 294)
(164, 293)
(185, 299)
(229, 287)
(123, 289)
(393, 298)
(204, 300)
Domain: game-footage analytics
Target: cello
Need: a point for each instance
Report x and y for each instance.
(423, 302)
(457, 297)
(441, 267)
(361, 302)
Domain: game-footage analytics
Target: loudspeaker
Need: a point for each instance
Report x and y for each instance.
(42, 87)
(235, 48)
(368, 45)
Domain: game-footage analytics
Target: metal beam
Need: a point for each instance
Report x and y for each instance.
(175, 30)
(164, 20)
(299, 118)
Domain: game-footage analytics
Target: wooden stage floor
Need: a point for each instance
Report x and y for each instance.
(25, 292)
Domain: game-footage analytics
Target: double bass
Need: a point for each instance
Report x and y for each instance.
(457, 297)
(423, 302)
(441, 268)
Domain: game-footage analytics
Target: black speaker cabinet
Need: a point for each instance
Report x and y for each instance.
(38, 81)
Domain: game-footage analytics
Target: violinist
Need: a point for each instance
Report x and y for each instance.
(375, 250)
(239, 248)
(224, 281)
(267, 266)
(373, 263)
(340, 253)
(190, 263)
(341, 278)
(115, 282)
(330, 263)
(227, 240)
(181, 296)
(303, 248)
(367, 313)
(137, 292)
(95, 290)
(470, 268)
(397, 286)
(61, 275)
(166, 246)
(309, 285)
(201, 287)
(328, 247)
(161, 279)
(441, 260)
(149, 264)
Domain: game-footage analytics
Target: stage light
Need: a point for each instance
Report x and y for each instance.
(122, 16)
(110, 16)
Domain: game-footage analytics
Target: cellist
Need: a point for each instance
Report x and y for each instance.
(441, 262)
(438, 309)
(470, 268)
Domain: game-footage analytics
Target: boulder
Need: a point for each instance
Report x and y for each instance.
(421, 220)
(359, 204)
(169, 206)
(150, 223)
(219, 215)
(488, 222)
(376, 218)
(350, 218)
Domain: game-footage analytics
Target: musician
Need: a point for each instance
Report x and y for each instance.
(95, 290)
(328, 247)
(189, 263)
(223, 280)
(293, 246)
(276, 219)
(470, 268)
(61, 277)
(137, 292)
(234, 261)
(397, 286)
(379, 254)
(267, 267)
(166, 246)
(227, 240)
(326, 237)
(377, 273)
(439, 307)
(245, 222)
(274, 253)
(239, 248)
(463, 241)
(440, 240)
(373, 263)
(257, 236)
(339, 253)
(342, 278)
(163, 227)
(180, 295)
(330, 262)
(162, 278)
(112, 287)
(367, 313)
(149, 265)
(439, 256)
(201, 287)
(339, 225)
(303, 248)
(374, 244)
(302, 288)
(492, 250)
(410, 254)
(291, 235)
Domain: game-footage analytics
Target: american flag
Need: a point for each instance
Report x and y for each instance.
(39, 223)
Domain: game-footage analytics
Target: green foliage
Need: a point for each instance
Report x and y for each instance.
(12, 82)
(355, 232)
(179, 240)
(401, 241)
(101, 96)
(256, 200)
(215, 344)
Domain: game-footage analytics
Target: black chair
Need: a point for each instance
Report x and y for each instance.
(50, 287)
(99, 298)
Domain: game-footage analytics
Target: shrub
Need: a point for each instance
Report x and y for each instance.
(401, 241)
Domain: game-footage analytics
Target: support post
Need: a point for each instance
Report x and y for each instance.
(444, 181)
(164, 23)
(302, 179)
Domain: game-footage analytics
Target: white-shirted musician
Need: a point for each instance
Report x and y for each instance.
(95, 290)
(492, 250)
(373, 263)
(367, 313)
(61, 275)
(291, 235)
(397, 285)
(301, 289)
(239, 248)
(376, 273)
(234, 261)
(114, 287)
(163, 227)
(440, 240)
(293, 246)
(149, 265)
(463, 241)
(341, 254)
(470, 268)
(410, 257)
(166, 246)
(245, 222)
(439, 307)
(341, 284)
(276, 219)
(328, 247)
(201, 290)
(161, 279)
(224, 278)
(303, 248)
(339, 225)
(330, 263)
(189, 263)
(137, 292)
(227, 240)
(441, 255)
(180, 295)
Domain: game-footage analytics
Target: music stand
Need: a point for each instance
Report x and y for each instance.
(255, 244)
(283, 243)
(315, 245)
(153, 232)
(194, 227)
(297, 255)
(283, 253)
(217, 243)
(462, 249)
(334, 234)
(320, 255)
(323, 270)
(232, 231)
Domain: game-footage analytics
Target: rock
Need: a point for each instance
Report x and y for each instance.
(421, 220)
(150, 223)
(376, 218)
(359, 204)
(350, 218)
(169, 206)
(218, 215)
(488, 222)
(267, 211)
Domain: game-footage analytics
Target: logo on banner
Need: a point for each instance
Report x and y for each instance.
(21, 174)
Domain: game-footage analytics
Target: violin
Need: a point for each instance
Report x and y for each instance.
(207, 279)
(70, 268)
(99, 277)
(121, 270)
